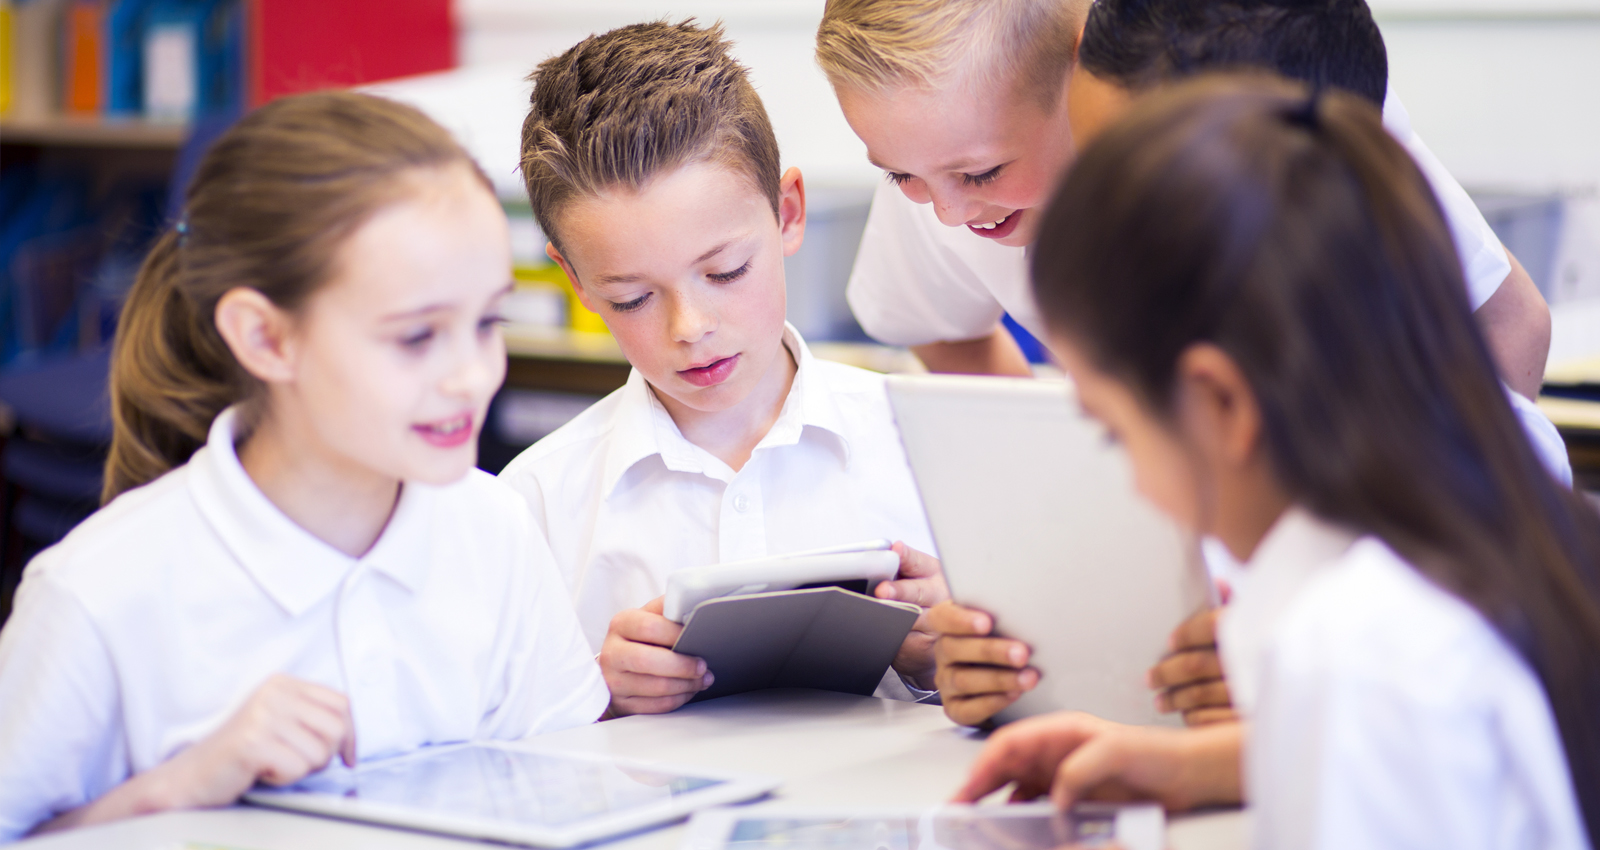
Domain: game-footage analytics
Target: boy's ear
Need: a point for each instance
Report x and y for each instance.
(258, 333)
(554, 253)
(791, 211)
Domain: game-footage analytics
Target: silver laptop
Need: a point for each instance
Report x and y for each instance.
(1038, 523)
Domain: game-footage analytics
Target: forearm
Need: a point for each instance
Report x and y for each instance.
(155, 790)
(995, 354)
(1213, 765)
(1515, 322)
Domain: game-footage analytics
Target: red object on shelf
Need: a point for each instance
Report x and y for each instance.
(305, 45)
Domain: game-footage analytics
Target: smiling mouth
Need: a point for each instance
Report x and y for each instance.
(447, 433)
(998, 229)
(991, 225)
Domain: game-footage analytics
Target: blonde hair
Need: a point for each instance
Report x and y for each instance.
(618, 108)
(877, 45)
(268, 209)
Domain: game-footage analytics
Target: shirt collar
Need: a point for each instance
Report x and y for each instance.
(642, 428)
(1298, 547)
(294, 567)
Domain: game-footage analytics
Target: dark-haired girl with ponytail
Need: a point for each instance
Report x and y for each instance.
(297, 562)
(1255, 292)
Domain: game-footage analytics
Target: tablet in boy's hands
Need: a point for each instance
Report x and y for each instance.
(858, 566)
(509, 792)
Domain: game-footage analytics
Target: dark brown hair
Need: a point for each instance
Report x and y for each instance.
(1297, 236)
(619, 108)
(268, 209)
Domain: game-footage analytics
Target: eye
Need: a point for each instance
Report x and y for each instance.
(630, 306)
(490, 322)
(417, 339)
(982, 179)
(729, 277)
(896, 177)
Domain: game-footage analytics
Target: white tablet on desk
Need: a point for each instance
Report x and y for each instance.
(1034, 826)
(514, 793)
(1038, 523)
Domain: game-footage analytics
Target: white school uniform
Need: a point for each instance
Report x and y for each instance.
(917, 281)
(626, 500)
(151, 623)
(1384, 712)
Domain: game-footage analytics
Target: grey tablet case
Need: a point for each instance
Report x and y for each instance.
(826, 638)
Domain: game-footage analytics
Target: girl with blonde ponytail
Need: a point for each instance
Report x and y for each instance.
(296, 558)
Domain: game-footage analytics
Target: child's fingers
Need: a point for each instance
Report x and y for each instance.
(972, 711)
(949, 618)
(1186, 668)
(1099, 761)
(1209, 716)
(993, 652)
(970, 681)
(635, 685)
(642, 626)
(624, 656)
(1197, 632)
(1213, 694)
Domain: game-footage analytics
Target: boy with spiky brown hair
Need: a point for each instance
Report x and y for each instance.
(652, 167)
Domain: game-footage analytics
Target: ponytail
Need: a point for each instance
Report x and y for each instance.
(268, 209)
(171, 374)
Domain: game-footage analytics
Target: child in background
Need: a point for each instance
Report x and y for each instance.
(1131, 47)
(297, 559)
(964, 104)
(1416, 649)
(653, 170)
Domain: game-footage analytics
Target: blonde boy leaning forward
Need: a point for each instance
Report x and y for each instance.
(963, 104)
(652, 167)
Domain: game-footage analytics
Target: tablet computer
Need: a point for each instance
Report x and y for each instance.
(858, 566)
(1039, 524)
(510, 792)
(1031, 826)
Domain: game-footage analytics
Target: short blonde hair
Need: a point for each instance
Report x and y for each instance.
(876, 45)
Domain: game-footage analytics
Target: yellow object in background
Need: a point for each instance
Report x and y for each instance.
(7, 51)
(579, 317)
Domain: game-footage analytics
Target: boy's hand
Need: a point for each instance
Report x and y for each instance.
(921, 582)
(287, 730)
(1075, 756)
(977, 675)
(1190, 678)
(644, 674)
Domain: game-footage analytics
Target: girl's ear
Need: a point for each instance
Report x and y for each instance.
(554, 253)
(792, 211)
(1218, 407)
(258, 333)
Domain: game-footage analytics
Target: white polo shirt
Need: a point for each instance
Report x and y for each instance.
(626, 500)
(153, 621)
(917, 281)
(1383, 711)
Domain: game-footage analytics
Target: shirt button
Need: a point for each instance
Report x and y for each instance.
(741, 503)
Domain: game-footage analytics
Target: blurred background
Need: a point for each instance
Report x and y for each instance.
(105, 106)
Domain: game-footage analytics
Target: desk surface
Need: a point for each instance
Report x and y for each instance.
(830, 749)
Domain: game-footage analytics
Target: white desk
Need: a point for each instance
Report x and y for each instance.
(830, 749)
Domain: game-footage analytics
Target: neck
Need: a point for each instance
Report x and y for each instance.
(339, 502)
(732, 435)
(1253, 509)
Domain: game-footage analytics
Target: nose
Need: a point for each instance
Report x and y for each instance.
(691, 319)
(478, 370)
(953, 207)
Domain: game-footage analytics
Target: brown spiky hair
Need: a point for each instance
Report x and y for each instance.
(617, 109)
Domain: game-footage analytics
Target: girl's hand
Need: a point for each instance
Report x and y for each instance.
(1190, 678)
(287, 730)
(977, 675)
(1075, 756)
(644, 674)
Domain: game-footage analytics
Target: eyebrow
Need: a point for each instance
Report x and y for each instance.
(442, 305)
(631, 278)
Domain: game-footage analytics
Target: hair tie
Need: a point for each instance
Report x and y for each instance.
(183, 229)
(1306, 114)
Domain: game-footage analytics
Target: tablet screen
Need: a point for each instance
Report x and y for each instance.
(537, 789)
(943, 831)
